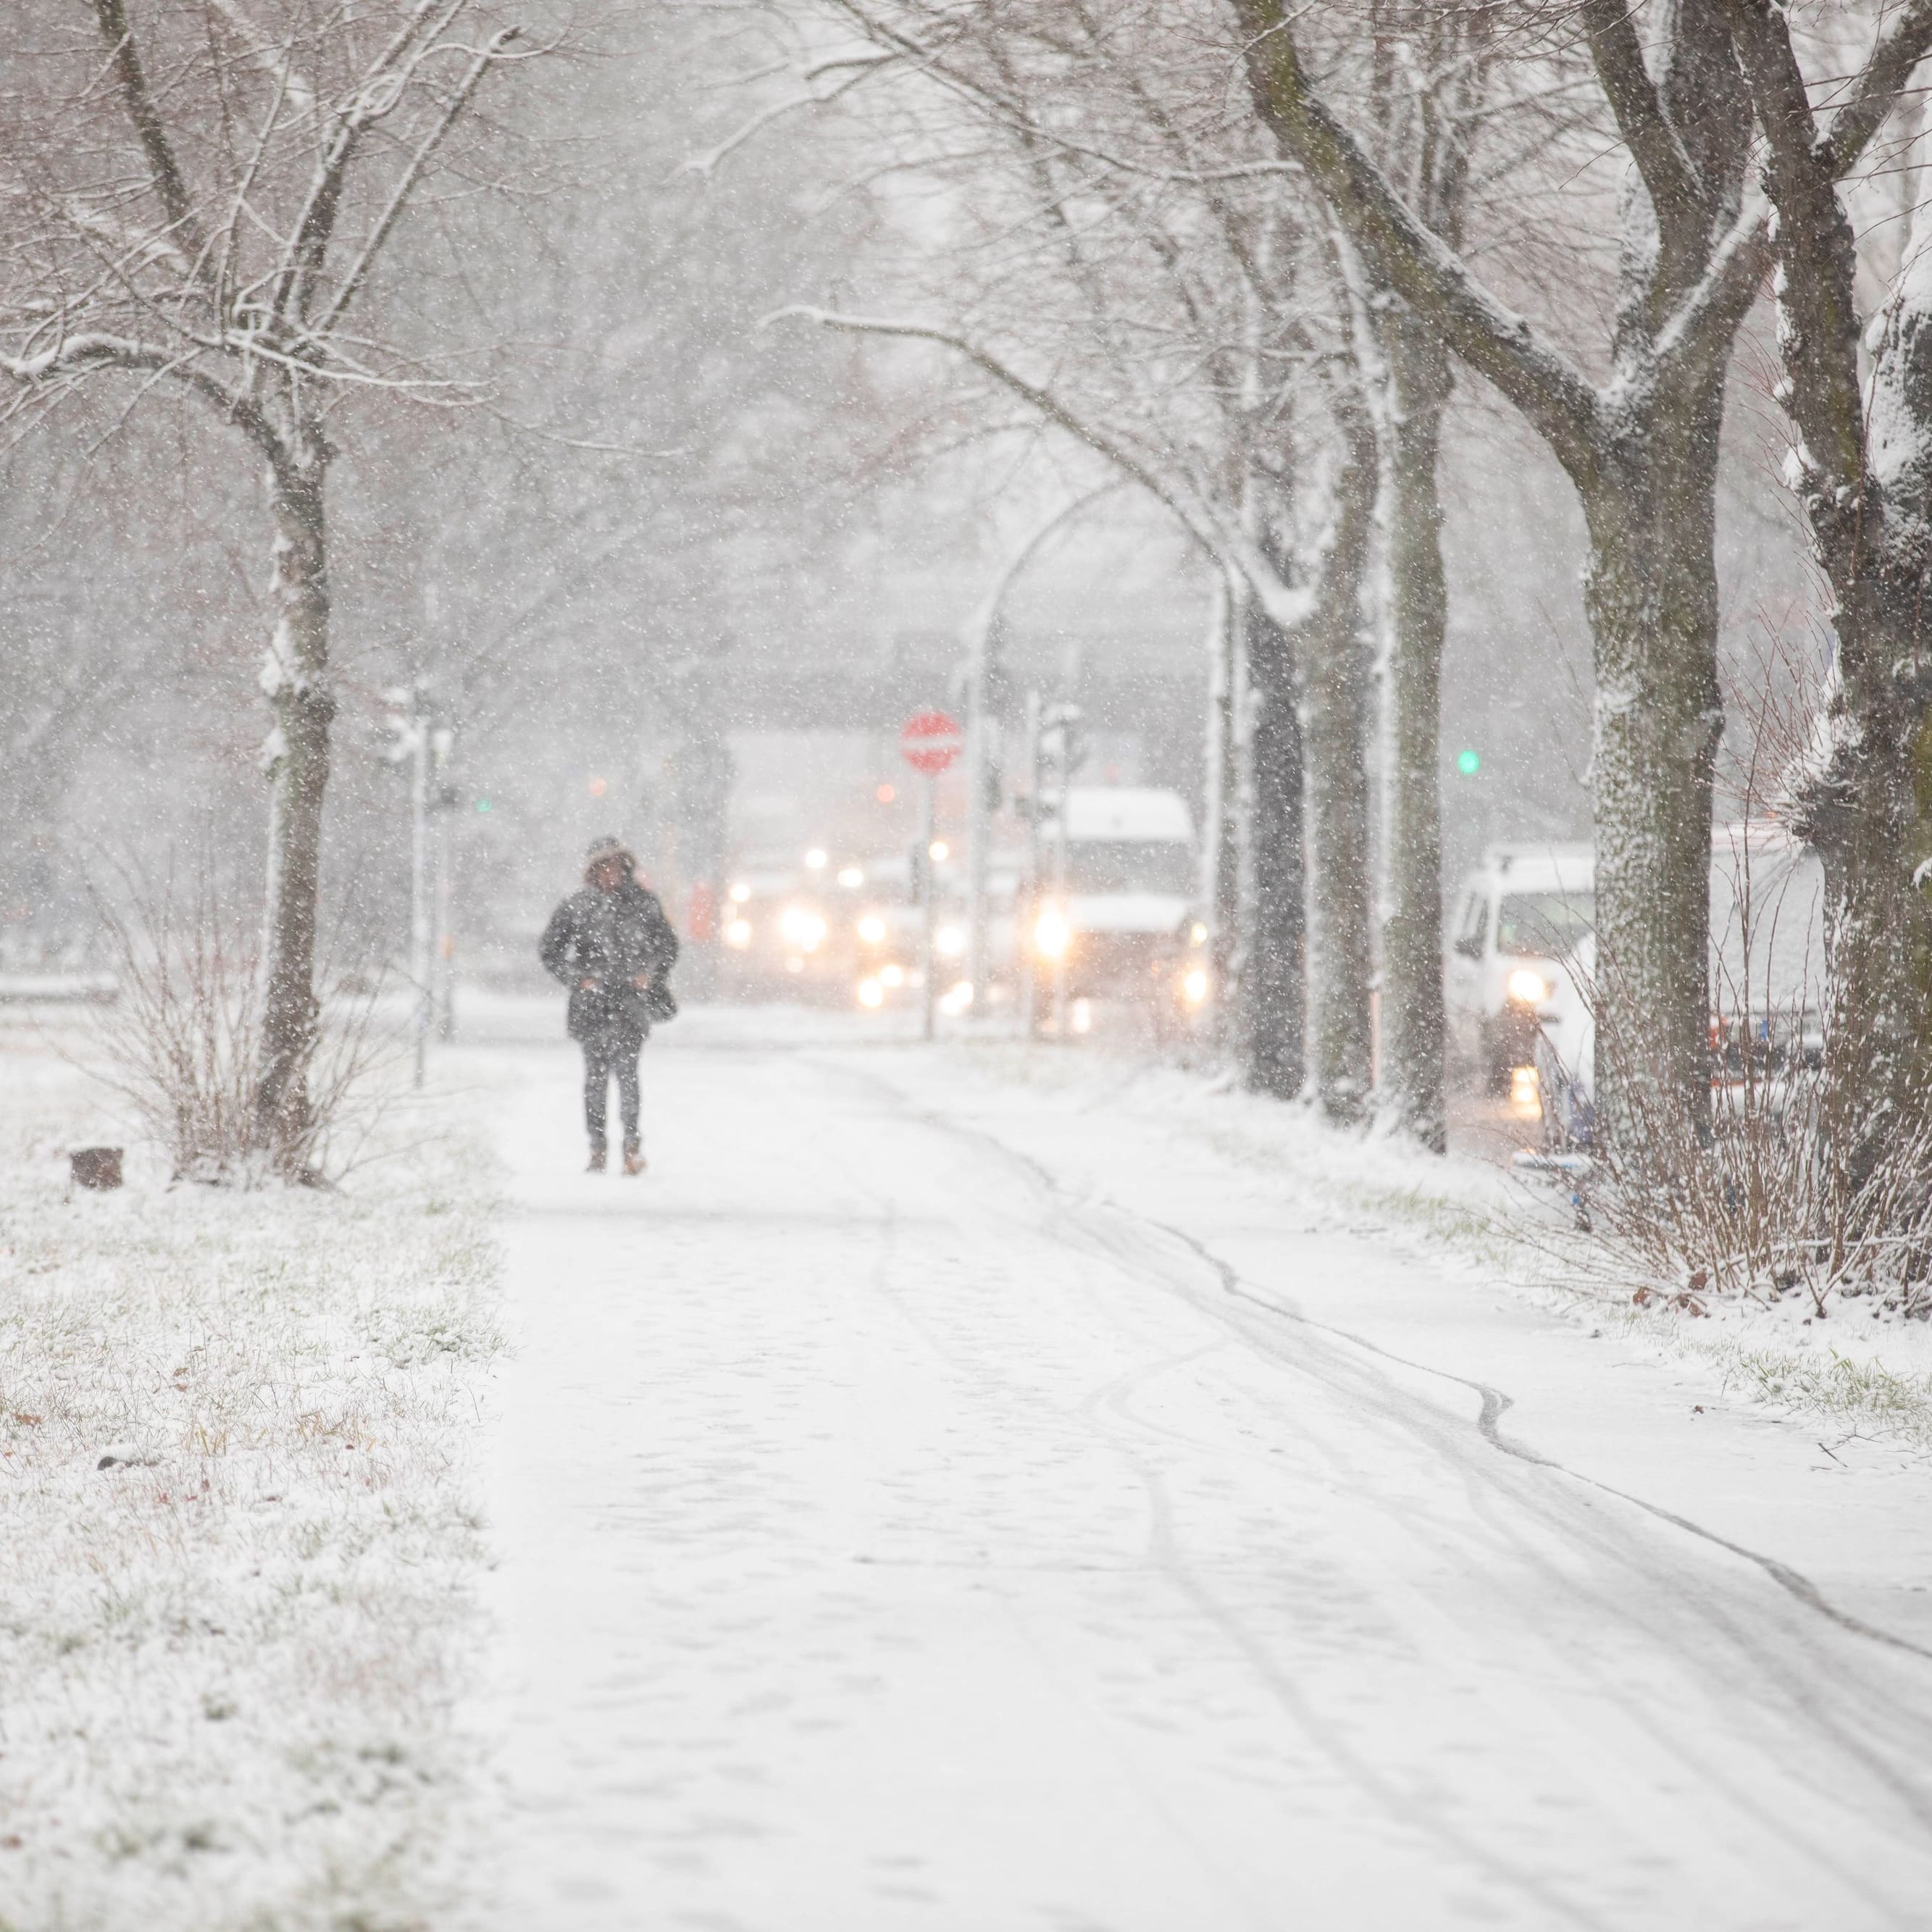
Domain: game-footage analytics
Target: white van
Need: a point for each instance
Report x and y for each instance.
(1121, 917)
(1520, 914)
(1767, 977)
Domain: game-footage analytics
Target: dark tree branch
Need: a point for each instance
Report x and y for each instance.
(1876, 91)
(177, 199)
(1668, 177)
(1550, 391)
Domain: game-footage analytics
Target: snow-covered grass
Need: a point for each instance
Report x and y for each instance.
(237, 1613)
(1478, 1222)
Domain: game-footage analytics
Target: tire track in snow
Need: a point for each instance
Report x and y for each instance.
(1326, 1738)
(1073, 1209)
(1495, 1403)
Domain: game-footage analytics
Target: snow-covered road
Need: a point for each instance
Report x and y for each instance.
(925, 1505)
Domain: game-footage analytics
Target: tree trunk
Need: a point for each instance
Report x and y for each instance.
(1858, 806)
(1414, 1026)
(1222, 857)
(1651, 592)
(295, 679)
(1861, 465)
(1335, 675)
(1274, 1006)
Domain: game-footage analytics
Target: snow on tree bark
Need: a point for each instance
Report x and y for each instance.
(1333, 650)
(1415, 1024)
(1863, 472)
(1642, 452)
(1221, 834)
(1274, 1003)
(295, 680)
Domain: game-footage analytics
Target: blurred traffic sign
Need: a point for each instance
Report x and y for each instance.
(929, 741)
(1062, 740)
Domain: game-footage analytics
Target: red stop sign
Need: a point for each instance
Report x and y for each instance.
(929, 741)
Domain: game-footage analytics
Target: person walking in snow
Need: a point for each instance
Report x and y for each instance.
(612, 945)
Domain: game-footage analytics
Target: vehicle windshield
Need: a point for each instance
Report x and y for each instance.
(1543, 925)
(1128, 866)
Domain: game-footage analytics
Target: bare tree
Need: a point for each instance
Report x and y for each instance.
(1641, 448)
(1861, 464)
(1430, 68)
(200, 197)
(1175, 329)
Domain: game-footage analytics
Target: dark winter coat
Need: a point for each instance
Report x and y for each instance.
(613, 938)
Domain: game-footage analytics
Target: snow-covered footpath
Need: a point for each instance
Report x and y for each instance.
(972, 1488)
(976, 1489)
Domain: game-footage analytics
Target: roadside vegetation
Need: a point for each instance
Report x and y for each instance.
(237, 1433)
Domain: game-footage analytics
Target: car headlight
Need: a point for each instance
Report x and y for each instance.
(738, 934)
(1050, 933)
(872, 929)
(802, 927)
(1194, 987)
(1532, 989)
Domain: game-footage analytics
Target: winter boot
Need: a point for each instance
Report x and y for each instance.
(596, 1158)
(634, 1157)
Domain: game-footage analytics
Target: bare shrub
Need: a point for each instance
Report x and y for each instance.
(1774, 1192)
(183, 1040)
(1765, 1201)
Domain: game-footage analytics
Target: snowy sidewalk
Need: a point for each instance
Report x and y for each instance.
(899, 1533)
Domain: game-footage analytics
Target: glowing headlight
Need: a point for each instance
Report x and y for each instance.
(1532, 989)
(1050, 933)
(870, 993)
(851, 877)
(949, 941)
(1194, 987)
(1197, 934)
(740, 892)
(872, 929)
(802, 927)
(957, 998)
(891, 976)
(738, 933)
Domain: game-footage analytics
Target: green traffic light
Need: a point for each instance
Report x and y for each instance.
(483, 804)
(1468, 763)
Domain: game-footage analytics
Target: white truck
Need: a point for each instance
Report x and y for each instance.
(1520, 914)
(1116, 878)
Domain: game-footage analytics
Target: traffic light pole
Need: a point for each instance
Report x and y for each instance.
(1025, 948)
(928, 963)
(420, 957)
(1060, 897)
(443, 742)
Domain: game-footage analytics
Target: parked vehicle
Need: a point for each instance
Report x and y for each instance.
(1520, 914)
(1767, 981)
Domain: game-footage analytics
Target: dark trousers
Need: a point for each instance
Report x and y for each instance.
(605, 1054)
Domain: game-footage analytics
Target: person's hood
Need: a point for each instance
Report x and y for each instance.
(601, 850)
